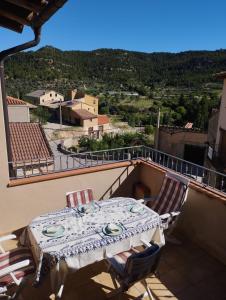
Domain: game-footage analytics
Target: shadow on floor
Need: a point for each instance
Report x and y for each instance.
(186, 272)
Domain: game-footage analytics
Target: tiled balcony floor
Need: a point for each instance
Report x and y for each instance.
(186, 272)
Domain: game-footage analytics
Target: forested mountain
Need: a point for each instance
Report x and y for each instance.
(107, 69)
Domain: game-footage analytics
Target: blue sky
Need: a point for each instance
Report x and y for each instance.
(141, 25)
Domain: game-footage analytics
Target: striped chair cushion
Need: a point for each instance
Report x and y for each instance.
(14, 256)
(119, 260)
(170, 198)
(77, 198)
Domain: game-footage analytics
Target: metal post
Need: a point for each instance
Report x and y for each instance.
(60, 115)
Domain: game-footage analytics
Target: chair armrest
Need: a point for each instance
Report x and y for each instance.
(168, 215)
(14, 267)
(7, 237)
(175, 213)
(165, 216)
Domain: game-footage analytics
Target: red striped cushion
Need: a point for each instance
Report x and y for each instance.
(14, 256)
(122, 257)
(77, 198)
(170, 198)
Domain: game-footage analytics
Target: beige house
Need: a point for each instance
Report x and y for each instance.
(44, 97)
(18, 110)
(75, 105)
(92, 101)
(187, 143)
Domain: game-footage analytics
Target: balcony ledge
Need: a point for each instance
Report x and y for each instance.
(54, 176)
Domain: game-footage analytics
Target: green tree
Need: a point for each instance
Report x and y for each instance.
(42, 114)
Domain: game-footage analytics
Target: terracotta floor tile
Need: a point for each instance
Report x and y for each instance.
(186, 272)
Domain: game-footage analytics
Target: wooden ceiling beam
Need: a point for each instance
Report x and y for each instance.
(12, 16)
(48, 11)
(27, 4)
(9, 24)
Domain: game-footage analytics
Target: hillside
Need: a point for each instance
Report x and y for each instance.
(107, 70)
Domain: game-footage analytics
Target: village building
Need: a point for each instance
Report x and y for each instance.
(92, 101)
(31, 152)
(44, 97)
(18, 110)
(187, 143)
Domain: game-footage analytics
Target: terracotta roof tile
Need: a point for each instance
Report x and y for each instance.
(103, 119)
(28, 141)
(84, 114)
(15, 101)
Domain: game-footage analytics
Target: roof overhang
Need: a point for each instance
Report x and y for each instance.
(15, 14)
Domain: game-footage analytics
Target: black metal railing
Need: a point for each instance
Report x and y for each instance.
(73, 161)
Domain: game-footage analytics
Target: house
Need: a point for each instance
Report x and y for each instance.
(103, 124)
(80, 96)
(216, 157)
(80, 117)
(82, 114)
(18, 110)
(184, 142)
(31, 152)
(44, 97)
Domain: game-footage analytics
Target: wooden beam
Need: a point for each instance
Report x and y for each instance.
(13, 16)
(47, 11)
(30, 5)
(9, 24)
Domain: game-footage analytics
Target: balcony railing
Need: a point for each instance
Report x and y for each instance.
(208, 177)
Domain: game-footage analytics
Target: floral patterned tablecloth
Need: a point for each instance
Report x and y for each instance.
(83, 241)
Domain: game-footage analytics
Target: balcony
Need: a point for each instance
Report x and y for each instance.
(194, 270)
(186, 272)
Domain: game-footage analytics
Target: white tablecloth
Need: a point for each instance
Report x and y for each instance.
(84, 241)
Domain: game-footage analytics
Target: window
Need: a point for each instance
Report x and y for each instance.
(94, 102)
(50, 95)
(56, 96)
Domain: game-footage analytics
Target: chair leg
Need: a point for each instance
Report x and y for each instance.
(148, 291)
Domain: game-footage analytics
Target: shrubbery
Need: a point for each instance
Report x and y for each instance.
(111, 142)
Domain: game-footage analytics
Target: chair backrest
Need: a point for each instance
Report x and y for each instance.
(172, 195)
(140, 265)
(76, 198)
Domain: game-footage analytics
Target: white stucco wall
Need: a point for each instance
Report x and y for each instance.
(51, 96)
(18, 113)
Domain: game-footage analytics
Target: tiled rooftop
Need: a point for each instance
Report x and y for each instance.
(28, 141)
(84, 114)
(15, 101)
(186, 272)
(103, 119)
